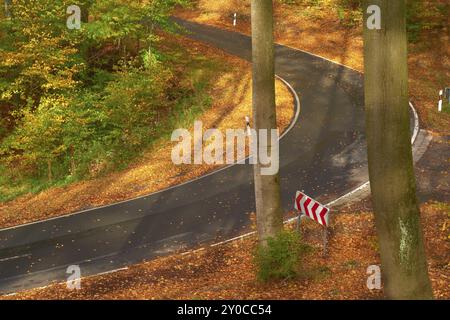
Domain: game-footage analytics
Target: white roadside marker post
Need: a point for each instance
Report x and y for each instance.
(441, 93)
(247, 125)
(235, 19)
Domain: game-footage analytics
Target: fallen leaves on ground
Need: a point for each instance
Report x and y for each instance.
(227, 271)
(231, 94)
(320, 30)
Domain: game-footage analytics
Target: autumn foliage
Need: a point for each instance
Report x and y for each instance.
(77, 102)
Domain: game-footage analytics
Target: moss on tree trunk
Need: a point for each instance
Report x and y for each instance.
(391, 168)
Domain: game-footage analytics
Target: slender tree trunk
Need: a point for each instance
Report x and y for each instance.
(72, 161)
(49, 171)
(85, 14)
(267, 187)
(391, 168)
(7, 4)
(85, 7)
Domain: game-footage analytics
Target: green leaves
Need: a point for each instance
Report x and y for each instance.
(80, 98)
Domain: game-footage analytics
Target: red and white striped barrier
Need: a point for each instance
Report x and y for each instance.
(311, 208)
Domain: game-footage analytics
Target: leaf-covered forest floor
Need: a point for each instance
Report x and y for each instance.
(328, 30)
(228, 272)
(226, 81)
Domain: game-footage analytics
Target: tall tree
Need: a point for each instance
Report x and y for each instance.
(267, 187)
(391, 168)
(7, 3)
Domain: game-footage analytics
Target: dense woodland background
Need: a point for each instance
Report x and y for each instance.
(76, 104)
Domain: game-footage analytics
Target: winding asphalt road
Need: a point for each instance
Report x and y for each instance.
(324, 154)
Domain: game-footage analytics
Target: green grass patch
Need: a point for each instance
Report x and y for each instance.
(281, 258)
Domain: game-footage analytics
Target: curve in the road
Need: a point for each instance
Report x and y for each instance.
(324, 154)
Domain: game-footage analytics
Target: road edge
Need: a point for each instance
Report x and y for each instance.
(364, 187)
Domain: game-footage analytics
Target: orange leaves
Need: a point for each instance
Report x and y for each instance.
(227, 271)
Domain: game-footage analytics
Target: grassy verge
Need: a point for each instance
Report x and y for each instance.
(228, 271)
(213, 87)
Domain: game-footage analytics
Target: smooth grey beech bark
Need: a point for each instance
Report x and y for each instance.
(267, 187)
(391, 169)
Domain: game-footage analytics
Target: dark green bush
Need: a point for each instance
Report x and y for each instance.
(280, 259)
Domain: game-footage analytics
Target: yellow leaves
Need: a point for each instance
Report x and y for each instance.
(39, 57)
(6, 95)
(10, 60)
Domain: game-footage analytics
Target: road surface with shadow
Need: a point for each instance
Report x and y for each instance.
(323, 154)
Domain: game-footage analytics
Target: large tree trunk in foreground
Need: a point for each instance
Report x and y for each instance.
(391, 168)
(267, 187)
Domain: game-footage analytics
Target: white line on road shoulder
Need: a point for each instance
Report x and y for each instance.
(15, 257)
